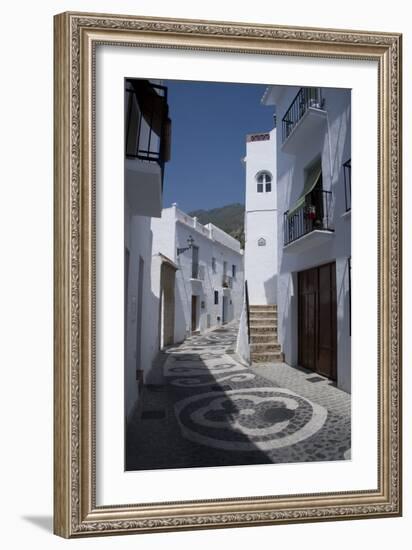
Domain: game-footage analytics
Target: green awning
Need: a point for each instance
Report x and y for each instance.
(310, 184)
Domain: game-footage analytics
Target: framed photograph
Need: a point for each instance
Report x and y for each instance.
(227, 274)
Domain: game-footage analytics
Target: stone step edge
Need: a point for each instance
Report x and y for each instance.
(264, 358)
(262, 318)
(262, 310)
(273, 327)
(264, 345)
(271, 340)
(263, 323)
(263, 306)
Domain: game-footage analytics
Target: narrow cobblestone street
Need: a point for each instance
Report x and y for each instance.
(211, 410)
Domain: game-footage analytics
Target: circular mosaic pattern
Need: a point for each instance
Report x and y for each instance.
(249, 419)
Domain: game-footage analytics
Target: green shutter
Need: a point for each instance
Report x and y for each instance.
(310, 184)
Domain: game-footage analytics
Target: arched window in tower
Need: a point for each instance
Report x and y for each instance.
(264, 182)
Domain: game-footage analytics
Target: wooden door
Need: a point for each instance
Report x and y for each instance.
(167, 305)
(307, 318)
(139, 316)
(326, 360)
(317, 319)
(195, 262)
(224, 309)
(194, 313)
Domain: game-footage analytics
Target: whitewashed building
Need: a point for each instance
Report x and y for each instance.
(147, 144)
(310, 311)
(258, 321)
(314, 245)
(201, 286)
(260, 216)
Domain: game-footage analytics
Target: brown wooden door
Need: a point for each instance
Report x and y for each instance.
(194, 313)
(317, 319)
(167, 322)
(224, 309)
(326, 361)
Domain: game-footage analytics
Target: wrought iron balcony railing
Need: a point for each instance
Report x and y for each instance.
(198, 271)
(305, 98)
(227, 281)
(313, 215)
(147, 122)
(347, 176)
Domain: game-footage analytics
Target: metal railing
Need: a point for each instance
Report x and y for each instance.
(247, 310)
(347, 178)
(198, 271)
(147, 122)
(314, 214)
(305, 98)
(227, 281)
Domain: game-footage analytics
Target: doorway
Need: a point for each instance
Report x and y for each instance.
(194, 313)
(139, 314)
(167, 305)
(195, 262)
(224, 309)
(317, 317)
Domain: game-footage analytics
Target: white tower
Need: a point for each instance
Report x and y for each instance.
(261, 218)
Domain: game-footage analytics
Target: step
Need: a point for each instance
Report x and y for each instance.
(263, 329)
(265, 338)
(264, 347)
(268, 357)
(262, 308)
(263, 322)
(259, 314)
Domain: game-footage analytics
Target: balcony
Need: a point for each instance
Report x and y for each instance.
(309, 224)
(198, 272)
(305, 116)
(198, 276)
(227, 281)
(147, 145)
(147, 122)
(347, 180)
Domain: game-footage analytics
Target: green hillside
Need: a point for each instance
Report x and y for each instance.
(230, 218)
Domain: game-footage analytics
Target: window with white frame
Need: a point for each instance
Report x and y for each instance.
(264, 182)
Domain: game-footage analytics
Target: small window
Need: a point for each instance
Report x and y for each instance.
(350, 293)
(216, 297)
(264, 180)
(264, 177)
(347, 181)
(234, 271)
(214, 265)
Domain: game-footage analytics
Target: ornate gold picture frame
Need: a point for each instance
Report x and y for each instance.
(76, 36)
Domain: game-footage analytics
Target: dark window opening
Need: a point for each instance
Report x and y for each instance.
(195, 262)
(350, 294)
(347, 178)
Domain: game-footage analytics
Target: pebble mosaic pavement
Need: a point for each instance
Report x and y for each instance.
(211, 410)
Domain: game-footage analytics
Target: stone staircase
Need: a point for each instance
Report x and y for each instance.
(264, 346)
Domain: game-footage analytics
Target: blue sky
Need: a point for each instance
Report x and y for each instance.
(209, 126)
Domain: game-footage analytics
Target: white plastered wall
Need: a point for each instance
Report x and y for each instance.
(260, 223)
(333, 143)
